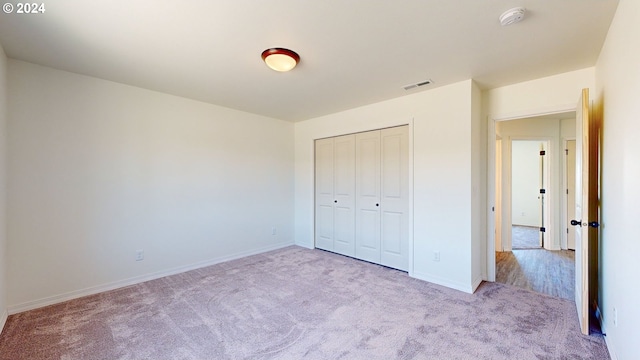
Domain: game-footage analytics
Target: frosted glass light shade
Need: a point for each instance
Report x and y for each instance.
(280, 59)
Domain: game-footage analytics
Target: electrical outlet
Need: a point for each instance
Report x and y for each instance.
(139, 255)
(615, 317)
(274, 230)
(436, 256)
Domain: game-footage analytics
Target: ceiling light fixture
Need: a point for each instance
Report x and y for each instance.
(512, 16)
(280, 59)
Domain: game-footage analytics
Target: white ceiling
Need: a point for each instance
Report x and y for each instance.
(353, 52)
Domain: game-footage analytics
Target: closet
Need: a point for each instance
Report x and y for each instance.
(361, 196)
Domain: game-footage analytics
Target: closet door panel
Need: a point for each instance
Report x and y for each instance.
(369, 235)
(392, 233)
(324, 227)
(368, 196)
(395, 198)
(324, 194)
(344, 189)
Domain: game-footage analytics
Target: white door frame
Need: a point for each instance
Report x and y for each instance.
(492, 119)
(499, 239)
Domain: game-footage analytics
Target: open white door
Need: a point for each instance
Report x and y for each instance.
(586, 148)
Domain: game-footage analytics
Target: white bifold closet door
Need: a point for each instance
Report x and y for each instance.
(368, 196)
(335, 194)
(375, 217)
(394, 194)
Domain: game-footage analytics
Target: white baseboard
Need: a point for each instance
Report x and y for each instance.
(35, 304)
(476, 283)
(306, 245)
(612, 353)
(603, 328)
(468, 288)
(3, 319)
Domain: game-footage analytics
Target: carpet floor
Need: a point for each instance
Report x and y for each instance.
(296, 303)
(525, 237)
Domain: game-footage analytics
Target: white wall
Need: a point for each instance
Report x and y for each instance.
(618, 86)
(539, 96)
(3, 190)
(568, 129)
(99, 169)
(525, 182)
(441, 153)
(478, 189)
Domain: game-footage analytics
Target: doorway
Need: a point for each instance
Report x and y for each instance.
(544, 269)
(585, 132)
(529, 184)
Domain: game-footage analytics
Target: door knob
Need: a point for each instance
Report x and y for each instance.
(593, 224)
(335, 201)
(377, 204)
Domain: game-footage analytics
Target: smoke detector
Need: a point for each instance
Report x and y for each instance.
(512, 16)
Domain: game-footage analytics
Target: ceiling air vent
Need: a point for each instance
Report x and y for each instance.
(413, 86)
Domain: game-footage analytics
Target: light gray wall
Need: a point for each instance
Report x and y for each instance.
(616, 99)
(99, 169)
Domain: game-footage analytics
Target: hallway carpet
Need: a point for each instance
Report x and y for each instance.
(296, 303)
(525, 237)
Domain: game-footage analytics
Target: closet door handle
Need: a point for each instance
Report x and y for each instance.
(377, 204)
(335, 201)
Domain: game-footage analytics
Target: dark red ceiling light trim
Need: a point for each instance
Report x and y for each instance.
(281, 51)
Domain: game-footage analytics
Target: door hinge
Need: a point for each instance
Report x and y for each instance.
(543, 191)
(567, 191)
(542, 152)
(543, 229)
(566, 151)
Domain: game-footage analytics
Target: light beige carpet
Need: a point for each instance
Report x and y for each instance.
(525, 237)
(296, 303)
